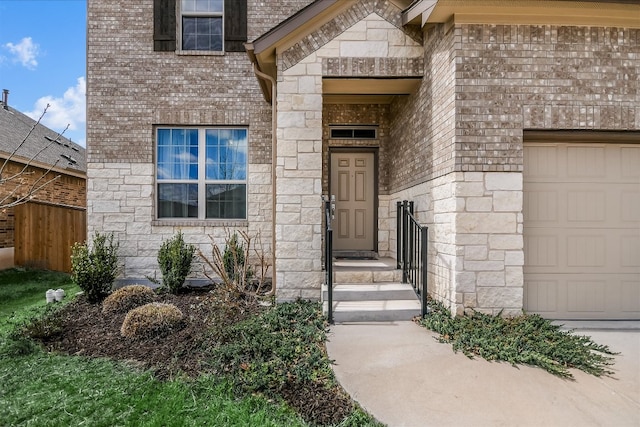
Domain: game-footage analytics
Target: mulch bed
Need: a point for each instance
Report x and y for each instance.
(87, 331)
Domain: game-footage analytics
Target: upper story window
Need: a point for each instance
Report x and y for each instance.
(201, 173)
(202, 24)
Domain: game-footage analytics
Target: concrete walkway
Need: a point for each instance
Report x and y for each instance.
(400, 374)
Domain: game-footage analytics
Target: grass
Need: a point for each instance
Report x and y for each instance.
(22, 290)
(526, 339)
(43, 389)
(49, 390)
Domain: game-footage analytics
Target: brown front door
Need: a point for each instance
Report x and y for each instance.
(353, 184)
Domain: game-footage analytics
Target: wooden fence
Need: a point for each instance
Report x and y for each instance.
(45, 233)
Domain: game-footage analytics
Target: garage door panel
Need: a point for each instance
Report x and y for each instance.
(586, 205)
(630, 252)
(541, 161)
(586, 296)
(542, 205)
(630, 206)
(582, 230)
(541, 296)
(584, 250)
(630, 296)
(585, 161)
(541, 251)
(629, 161)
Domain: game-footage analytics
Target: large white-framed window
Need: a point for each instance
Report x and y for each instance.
(202, 25)
(201, 172)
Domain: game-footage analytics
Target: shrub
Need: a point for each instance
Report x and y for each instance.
(151, 320)
(95, 269)
(175, 258)
(128, 298)
(234, 259)
(526, 339)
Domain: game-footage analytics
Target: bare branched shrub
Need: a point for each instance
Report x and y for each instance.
(18, 187)
(151, 320)
(128, 298)
(242, 265)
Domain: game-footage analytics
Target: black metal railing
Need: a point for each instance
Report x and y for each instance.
(329, 205)
(411, 251)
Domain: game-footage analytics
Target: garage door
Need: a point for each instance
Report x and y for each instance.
(582, 230)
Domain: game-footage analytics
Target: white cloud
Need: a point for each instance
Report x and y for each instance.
(68, 110)
(25, 52)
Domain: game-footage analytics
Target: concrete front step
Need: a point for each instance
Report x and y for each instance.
(375, 310)
(366, 276)
(370, 291)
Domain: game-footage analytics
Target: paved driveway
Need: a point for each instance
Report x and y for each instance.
(399, 373)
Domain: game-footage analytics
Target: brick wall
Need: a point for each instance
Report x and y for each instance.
(132, 88)
(510, 78)
(422, 125)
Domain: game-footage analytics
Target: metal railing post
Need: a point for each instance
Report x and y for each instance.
(398, 235)
(405, 237)
(423, 255)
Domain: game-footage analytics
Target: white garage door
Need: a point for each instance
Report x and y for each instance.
(582, 230)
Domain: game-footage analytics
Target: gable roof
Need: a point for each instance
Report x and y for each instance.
(66, 156)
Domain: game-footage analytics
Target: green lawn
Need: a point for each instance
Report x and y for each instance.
(24, 289)
(49, 390)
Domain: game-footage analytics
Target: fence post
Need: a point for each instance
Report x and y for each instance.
(423, 256)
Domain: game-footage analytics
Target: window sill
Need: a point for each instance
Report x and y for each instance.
(180, 222)
(200, 52)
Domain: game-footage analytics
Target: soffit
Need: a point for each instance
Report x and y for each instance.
(366, 91)
(617, 13)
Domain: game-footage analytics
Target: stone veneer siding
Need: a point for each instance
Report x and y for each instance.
(131, 89)
(366, 45)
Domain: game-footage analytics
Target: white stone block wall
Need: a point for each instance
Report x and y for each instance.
(121, 201)
(475, 239)
(299, 169)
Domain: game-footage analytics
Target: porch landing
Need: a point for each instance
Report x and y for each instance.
(370, 291)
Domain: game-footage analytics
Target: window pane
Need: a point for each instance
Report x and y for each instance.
(227, 201)
(226, 154)
(201, 33)
(201, 5)
(177, 200)
(176, 156)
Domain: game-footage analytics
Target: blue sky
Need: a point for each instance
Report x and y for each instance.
(42, 61)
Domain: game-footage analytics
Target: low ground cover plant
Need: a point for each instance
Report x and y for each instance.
(526, 339)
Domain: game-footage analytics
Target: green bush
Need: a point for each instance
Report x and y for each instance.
(128, 298)
(175, 258)
(95, 268)
(234, 259)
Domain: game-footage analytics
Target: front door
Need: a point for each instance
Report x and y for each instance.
(353, 184)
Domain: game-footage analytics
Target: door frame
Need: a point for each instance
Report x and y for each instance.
(367, 149)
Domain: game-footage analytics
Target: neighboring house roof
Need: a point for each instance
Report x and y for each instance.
(66, 156)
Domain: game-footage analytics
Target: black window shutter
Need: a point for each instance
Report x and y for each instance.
(235, 25)
(164, 25)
